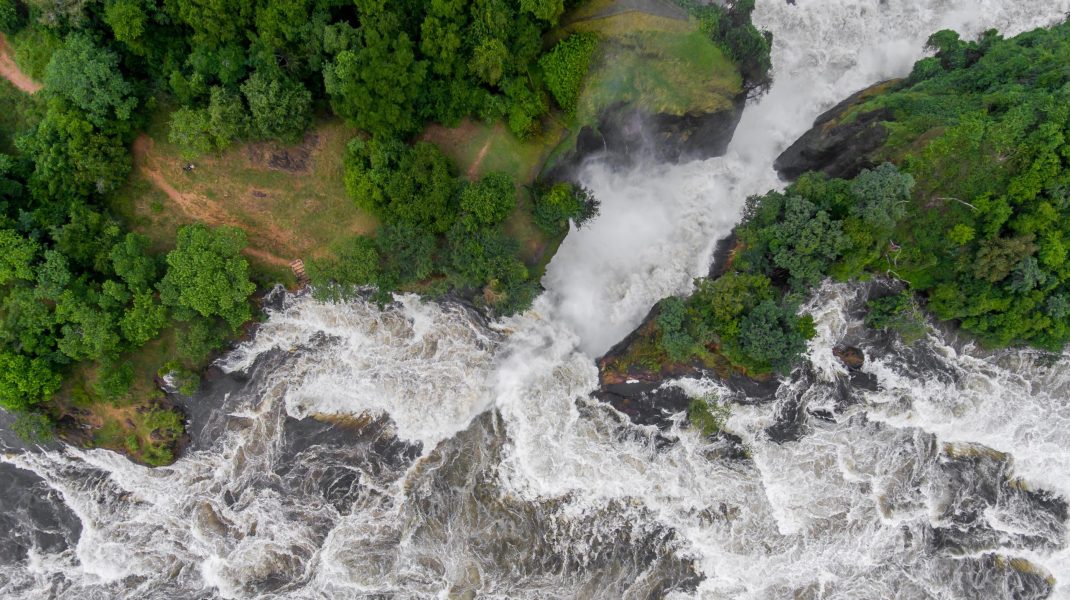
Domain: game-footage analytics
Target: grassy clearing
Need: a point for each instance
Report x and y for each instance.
(478, 148)
(659, 64)
(290, 200)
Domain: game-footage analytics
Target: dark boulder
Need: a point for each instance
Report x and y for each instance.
(835, 147)
(850, 356)
(626, 134)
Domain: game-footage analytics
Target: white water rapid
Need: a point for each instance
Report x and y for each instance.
(467, 460)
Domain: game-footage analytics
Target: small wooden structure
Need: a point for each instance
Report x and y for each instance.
(298, 267)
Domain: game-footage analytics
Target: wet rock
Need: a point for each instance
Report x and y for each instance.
(851, 357)
(645, 403)
(835, 146)
(626, 134)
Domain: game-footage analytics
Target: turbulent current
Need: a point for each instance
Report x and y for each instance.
(421, 452)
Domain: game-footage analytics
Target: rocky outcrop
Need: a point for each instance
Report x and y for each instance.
(626, 134)
(639, 391)
(837, 146)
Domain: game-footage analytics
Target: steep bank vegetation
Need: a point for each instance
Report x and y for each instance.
(971, 210)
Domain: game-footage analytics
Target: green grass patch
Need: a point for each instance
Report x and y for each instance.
(290, 200)
(708, 415)
(660, 72)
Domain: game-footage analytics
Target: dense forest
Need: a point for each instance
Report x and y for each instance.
(972, 212)
(86, 303)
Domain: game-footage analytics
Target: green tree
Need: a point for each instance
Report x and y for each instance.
(671, 322)
(25, 382)
(27, 324)
(228, 119)
(489, 60)
(441, 35)
(421, 191)
(771, 335)
(132, 262)
(407, 252)
(279, 107)
(547, 10)
(144, 319)
(355, 263)
(53, 275)
(127, 20)
(561, 202)
(207, 274)
(72, 159)
(191, 130)
(87, 332)
(215, 23)
(491, 199)
(375, 86)
(89, 77)
(16, 257)
(10, 19)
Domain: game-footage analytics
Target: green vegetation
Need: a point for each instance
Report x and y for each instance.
(558, 204)
(708, 415)
(34, 46)
(657, 64)
(974, 218)
(438, 226)
(565, 66)
(206, 274)
(789, 243)
(731, 29)
(982, 126)
(18, 114)
(289, 199)
(899, 313)
(123, 259)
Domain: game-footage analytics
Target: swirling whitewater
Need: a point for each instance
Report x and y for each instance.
(451, 458)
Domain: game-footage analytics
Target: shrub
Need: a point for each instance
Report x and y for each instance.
(10, 18)
(33, 428)
(355, 263)
(113, 380)
(561, 202)
(898, 313)
(491, 199)
(565, 66)
(708, 415)
(675, 339)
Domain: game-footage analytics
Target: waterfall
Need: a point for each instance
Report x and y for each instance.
(417, 451)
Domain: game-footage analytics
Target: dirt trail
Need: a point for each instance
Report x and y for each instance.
(195, 206)
(11, 72)
(474, 169)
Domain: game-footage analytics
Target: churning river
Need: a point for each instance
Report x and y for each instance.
(465, 459)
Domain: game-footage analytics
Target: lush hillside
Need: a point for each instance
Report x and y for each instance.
(982, 127)
(966, 200)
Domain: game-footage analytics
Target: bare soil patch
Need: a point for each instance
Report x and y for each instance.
(10, 71)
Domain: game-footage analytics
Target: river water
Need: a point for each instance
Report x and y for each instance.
(421, 452)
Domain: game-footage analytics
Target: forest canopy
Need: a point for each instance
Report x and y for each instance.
(984, 128)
